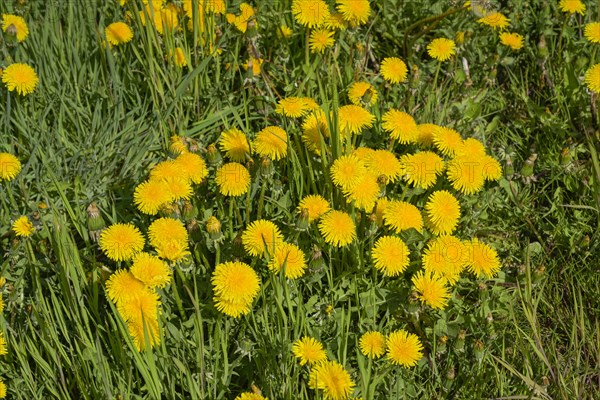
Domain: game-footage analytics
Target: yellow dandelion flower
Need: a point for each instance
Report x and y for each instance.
(401, 126)
(141, 304)
(2, 282)
(310, 13)
(364, 154)
(179, 58)
(314, 130)
(353, 119)
(445, 257)
(356, 12)
(465, 172)
(431, 290)
(271, 142)
(483, 260)
(122, 286)
(173, 250)
(23, 227)
(346, 171)
(179, 188)
(390, 255)
(151, 270)
(336, 22)
(380, 209)
(592, 78)
(447, 140)
(383, 163)
(333, 379)
(401, 216)
(261, 236)
(164, 230)
(18, 23)
(441, 49)
(120, 242)
(572, 6)
(118, 33)
(233, 179)
(145, 333)
(178, 144)
(294, 107)
(514, 40)
(3, 350)
(393, 70)
(20, 77)
(254, 64)
(426, 132)
(492, 170)
(471, 146)
(372, 344)
(167, 170)
(320, 39)
(364, 192)
(291, 258)
(10, 166)
(495, 20)
(362, 92)
(442, 212)
(316, 206)
(308, 351)
(592, 32)
(285, 32)
(337, 228)
(193, 166)
(235, 144)
(151, 195)
(235, 285)
(404, 348)
(2, 389)
(422, 169)
(250, 396)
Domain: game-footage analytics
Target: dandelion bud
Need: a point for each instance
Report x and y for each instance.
(539, 272)
(178, 145)
(527, 170)
(481, 286)
(329, 309)
(277, 188)
(42, 206)
(95, 221)
(479, 350)
(414, 305)
(459, 37)
(441, 344)
(565, 156)
(459, 345)
(451, 374)
(213, 227)
(542, 48)
(266, 167)
(509, 169)
(212, 155)
(414, 82)
(190, 211)
(545, 381)
(302, 223)
(489, 318)
(316, 259)
(585, 242)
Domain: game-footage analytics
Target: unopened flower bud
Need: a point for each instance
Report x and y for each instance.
(212, 154)
(302, 220)
(95, 221)
(213, 227)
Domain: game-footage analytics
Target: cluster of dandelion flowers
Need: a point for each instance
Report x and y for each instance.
(592, 78)
(310, 13)
(390, 255)
(21, 78)
(513, 40)
(401, 216)
(431, 290)
(592, 32)
(169, 237)
(483, 260)
(271, 142)
(401, 126)
(235, 144)
(150, 196)
(10, 166)
(23, 227)
(441, 49)
(362, 92)
(364, 192)
(404, 348)
(150, 270)
(393, 70)
(261, 236)
(572, 6)
(235, 286)
(495, 20)
(353, 119)
(22, 31)
(118, 33)
(291, 258)
(338, 228)
(356, 12)
(316, 206)
(308, 351)
(442, 212)
(320, 39)
(346, 171)
(295, 107)
(372, 344)
(445, 256)
(333, 379)
(233, 179)
(422, 169)
(120, 242)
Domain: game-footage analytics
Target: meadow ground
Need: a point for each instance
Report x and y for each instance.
(102, 117)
